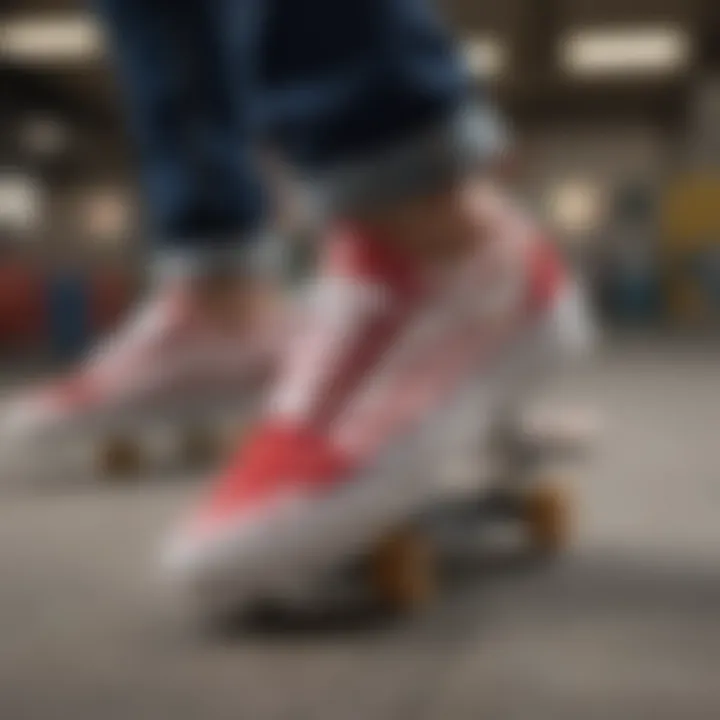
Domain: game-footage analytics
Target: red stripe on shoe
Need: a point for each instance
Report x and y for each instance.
(275, 459)
(546, 275)
(357, 254)
(379, 290)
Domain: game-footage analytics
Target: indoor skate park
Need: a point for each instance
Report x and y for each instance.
(614, 108)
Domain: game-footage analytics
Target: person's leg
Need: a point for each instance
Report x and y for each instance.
(371, 101)
(188, 71)
(188, 76)
(373, 106)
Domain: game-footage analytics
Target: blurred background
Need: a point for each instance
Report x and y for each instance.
(614, 105)
(615, 113)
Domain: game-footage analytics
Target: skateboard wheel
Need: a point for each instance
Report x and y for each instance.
(120, 457)
(199, 446)
(403, 571)
(546, 516)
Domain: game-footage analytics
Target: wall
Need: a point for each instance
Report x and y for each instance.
(608, 160)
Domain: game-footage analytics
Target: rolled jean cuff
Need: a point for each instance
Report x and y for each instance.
(469, 139)
(260, 255)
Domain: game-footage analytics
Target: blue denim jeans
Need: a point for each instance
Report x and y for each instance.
(366, 98)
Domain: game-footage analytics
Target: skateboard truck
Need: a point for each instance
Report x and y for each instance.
(404, 572)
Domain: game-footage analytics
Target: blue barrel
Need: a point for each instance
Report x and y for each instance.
(635, 296)
(68, 313)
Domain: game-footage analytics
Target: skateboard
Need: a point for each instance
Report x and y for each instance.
(404, 571)
(191, 441)
(118, 448)
(529, 490)
(123, 454)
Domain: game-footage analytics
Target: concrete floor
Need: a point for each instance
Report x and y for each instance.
(626, 626)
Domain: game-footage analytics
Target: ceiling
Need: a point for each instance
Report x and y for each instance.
(533, 89)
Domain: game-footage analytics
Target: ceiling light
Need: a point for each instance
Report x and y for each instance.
(62, 38)
(485, 56)
(625, 51)
(576, 207)
(20, 202)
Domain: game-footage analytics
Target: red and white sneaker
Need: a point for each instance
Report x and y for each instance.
(169, 360)
(383, 362)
